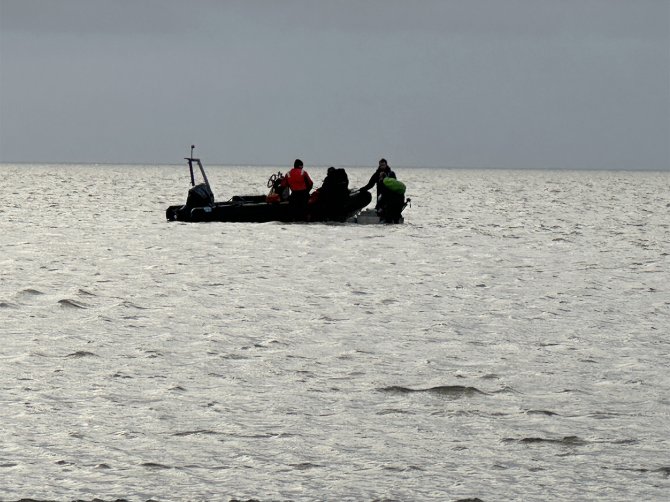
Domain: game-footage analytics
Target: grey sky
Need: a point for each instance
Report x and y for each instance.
(456, 83)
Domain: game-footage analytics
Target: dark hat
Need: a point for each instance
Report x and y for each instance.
(297, 163)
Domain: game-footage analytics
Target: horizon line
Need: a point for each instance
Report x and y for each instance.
(352, 166)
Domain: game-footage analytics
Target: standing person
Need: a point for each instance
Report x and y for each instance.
(377, 179)
(391, 200)
(300, 183)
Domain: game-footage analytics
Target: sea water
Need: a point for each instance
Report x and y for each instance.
(509, 341)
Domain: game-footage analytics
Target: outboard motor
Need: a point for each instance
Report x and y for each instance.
(199, 196)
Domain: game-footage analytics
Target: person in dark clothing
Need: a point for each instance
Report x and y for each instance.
(335, 185)
(376, 179)
(331, 197)
(298, 180)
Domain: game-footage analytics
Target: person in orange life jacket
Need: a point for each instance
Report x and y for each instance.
(377, 179)
(300, 183)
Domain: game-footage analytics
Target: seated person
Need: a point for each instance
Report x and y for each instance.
(330, 199)
(335, 185)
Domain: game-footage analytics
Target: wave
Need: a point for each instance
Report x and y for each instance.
(565, 441)
(506, 390)
(30, 292)
(396, 468)
(72, 304)
(541, 412)
(391, 411)
(131, 305)
(442, 390)
(154, 465)
(202, 432)
(661, 470)
(303, 466)
(81, 353)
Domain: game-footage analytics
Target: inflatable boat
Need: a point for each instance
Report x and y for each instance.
(339, 204)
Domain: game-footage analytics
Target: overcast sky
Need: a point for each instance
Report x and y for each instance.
(454, 83)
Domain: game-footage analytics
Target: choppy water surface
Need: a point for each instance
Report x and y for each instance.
(510, 341)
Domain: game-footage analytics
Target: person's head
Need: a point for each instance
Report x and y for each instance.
(297, 163)
(383, 164)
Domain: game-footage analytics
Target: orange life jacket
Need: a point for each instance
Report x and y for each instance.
(298, 179)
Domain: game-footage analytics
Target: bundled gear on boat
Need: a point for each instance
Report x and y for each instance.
(392, 185)
(279, 190)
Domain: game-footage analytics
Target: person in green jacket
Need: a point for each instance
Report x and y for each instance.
(391, 198)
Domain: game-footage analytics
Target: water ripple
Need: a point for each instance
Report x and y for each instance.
(442, 390)
(81, 353)
(542, 412)
(69, 303)
(202, 432)
(155, 466)
(565, 441)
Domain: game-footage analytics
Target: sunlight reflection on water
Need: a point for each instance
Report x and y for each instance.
(508, 339)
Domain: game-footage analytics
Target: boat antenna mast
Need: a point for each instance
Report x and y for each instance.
(191, 160)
